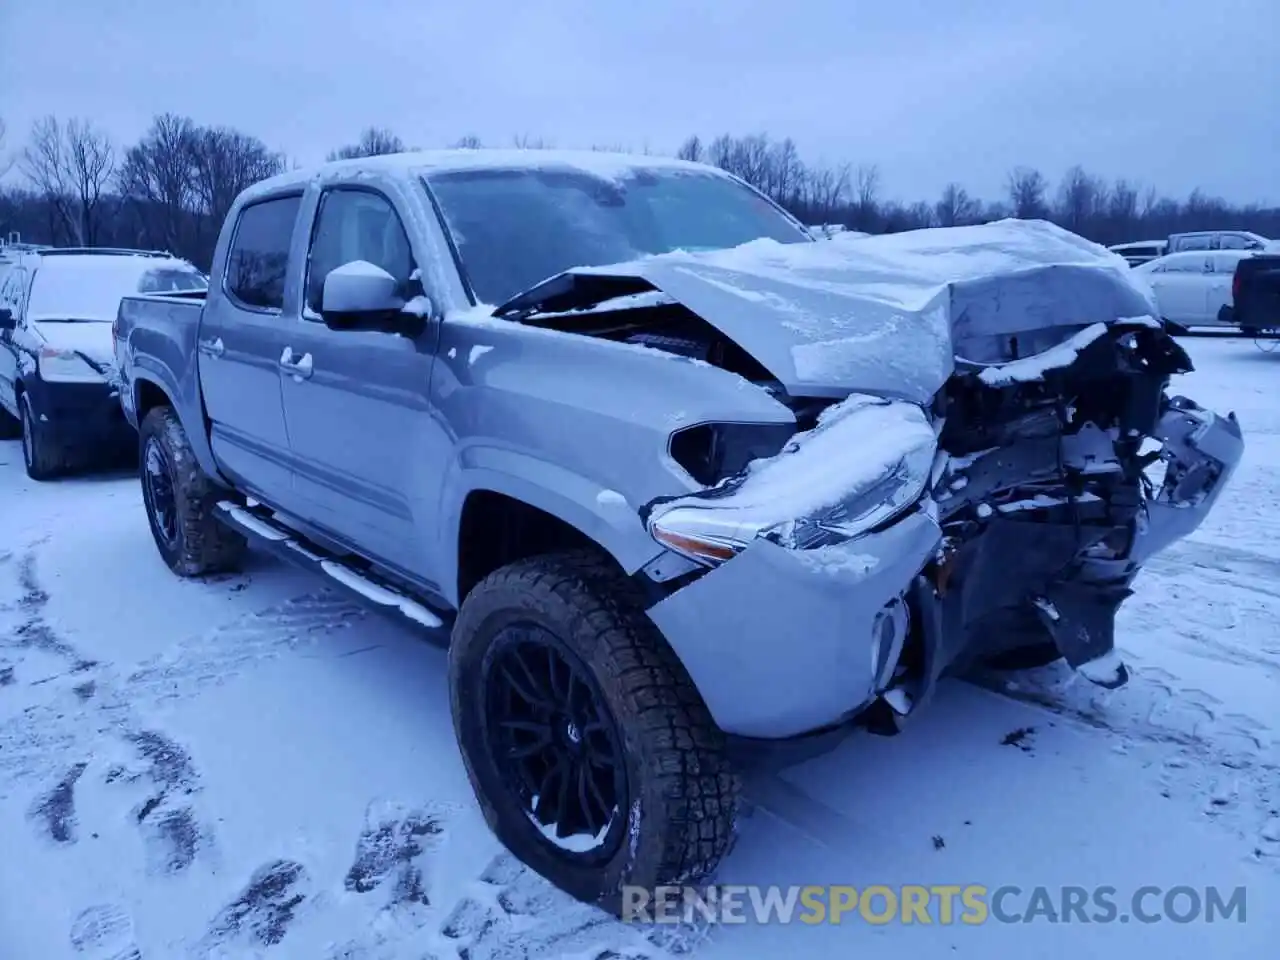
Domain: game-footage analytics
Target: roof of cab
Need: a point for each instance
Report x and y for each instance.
(596, 162)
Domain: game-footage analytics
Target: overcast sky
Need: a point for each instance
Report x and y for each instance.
(1175, 93)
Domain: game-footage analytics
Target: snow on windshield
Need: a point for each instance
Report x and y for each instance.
(515, 227)
(90, 287)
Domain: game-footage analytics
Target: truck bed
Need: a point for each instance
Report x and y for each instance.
(155, 341)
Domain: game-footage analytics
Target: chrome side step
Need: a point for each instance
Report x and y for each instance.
(287, 544)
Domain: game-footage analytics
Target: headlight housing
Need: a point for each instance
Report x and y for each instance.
(67, 366)
(867, 461)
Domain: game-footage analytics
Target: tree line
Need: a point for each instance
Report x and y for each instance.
(172, 188)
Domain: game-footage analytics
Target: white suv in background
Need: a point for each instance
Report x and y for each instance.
(1191, 288)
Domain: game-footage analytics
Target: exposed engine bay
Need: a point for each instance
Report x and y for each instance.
(1043, 473)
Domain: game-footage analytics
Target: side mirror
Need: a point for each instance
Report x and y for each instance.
(7, 321)
(362, 296)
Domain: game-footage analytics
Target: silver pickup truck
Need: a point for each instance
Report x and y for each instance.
(669, 477)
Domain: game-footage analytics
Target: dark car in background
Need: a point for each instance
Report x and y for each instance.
(57, 382)
(1255, 294)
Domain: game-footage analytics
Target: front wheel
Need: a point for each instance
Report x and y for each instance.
(180, 501)
(43, 457)
(593, 757)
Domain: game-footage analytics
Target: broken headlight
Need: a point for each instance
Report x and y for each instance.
(842, 484)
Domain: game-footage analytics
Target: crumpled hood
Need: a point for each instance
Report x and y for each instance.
(92, 340)
(884, 315)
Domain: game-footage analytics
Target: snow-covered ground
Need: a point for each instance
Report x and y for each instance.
(253, 766)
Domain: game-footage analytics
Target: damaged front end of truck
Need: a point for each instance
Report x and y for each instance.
(939, 510)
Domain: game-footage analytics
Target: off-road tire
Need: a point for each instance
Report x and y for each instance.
(43, 458)
(203, 544)
(10, 426)
(683, 791)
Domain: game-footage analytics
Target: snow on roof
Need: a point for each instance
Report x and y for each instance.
(610, 166)
(90, 286)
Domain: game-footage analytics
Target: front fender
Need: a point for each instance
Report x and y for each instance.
(601, 514)
(145, 377)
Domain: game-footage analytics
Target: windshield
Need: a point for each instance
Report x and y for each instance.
(515, 228)
(90, 287)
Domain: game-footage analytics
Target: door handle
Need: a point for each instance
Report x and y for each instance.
(213, 348)
(300, 368)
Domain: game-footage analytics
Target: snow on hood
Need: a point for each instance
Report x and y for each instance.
(887, 315)
(93, 340)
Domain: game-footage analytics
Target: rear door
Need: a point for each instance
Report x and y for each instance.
(358, 409)
(242, 335)
(1181, 287)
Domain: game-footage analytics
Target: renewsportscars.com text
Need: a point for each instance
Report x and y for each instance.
(970, 904)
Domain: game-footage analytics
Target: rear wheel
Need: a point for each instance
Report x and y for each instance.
(593, 756)
(180, 501)
(44, 458)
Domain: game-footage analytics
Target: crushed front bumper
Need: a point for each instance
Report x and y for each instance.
(781, 642)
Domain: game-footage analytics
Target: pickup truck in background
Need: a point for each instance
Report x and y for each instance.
(669, 477)
(1255, 295)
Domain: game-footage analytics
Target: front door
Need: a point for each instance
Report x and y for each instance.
(356, 404)
(242, 333)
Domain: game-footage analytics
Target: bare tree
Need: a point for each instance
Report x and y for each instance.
(374, 141)
(156, 178)
(691, 149)
(955, 207)
(1079, 199)
(826, 190)
(469, 142)
(866, 198)
(223, 163)
(524, 141)
(70, 165)
(1122, 208)
(1027, 188)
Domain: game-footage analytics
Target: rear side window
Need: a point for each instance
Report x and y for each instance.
(166, 280)
(1202, 242)
(11, 286)
(258, 261)
(1192, 264)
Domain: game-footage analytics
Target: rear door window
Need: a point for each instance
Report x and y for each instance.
(258, 261)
